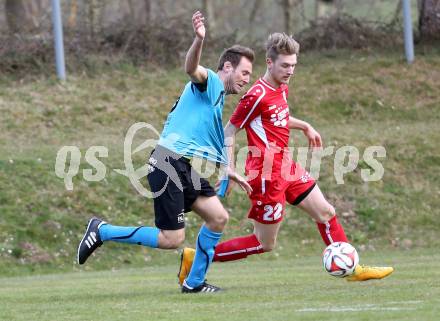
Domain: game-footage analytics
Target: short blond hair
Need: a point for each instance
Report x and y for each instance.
(281, 43)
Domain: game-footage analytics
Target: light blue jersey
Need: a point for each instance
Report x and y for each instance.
(194, 126)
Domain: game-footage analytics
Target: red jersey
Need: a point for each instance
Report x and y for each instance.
(264, 113)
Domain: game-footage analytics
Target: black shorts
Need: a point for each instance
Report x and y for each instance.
(176, 186)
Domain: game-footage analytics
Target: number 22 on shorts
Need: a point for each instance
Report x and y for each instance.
(272, 213)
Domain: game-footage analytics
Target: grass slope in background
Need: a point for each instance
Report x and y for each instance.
(359, 99)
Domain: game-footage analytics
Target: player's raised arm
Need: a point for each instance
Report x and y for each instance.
(197, 73)
(311, 134)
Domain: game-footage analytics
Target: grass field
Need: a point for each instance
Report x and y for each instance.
(256, 289)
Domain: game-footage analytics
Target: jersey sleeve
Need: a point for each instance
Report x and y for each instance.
(213, 88)
(249, 107)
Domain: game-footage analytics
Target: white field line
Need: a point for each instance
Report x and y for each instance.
(405, 302)
(355, 309)
(364, 307)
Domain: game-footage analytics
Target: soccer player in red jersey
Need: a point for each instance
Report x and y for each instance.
(274, 177)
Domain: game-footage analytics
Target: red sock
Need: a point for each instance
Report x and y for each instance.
(332, 231)
(238, 248)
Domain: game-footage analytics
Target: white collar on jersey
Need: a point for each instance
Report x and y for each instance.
(267, 84)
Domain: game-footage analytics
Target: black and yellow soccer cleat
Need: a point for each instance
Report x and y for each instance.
(186, 261)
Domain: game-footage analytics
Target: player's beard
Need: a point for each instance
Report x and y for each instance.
(229, 86)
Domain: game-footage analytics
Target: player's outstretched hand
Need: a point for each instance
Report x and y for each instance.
(241, 181)
(199, 25)
(313, 137)
(234, 178)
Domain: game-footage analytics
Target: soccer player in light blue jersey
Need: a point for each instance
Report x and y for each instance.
(193, 129)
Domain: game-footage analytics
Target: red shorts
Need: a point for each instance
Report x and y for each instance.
(269, 196)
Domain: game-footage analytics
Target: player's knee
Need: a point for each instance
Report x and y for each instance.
(172, 240)
(175, 242)
(326, 214)
(220, 220)
(178, 241)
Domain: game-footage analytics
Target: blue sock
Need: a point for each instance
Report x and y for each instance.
(141, 235)
(206, 242)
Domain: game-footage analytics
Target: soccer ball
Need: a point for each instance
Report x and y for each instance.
(340, 259)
